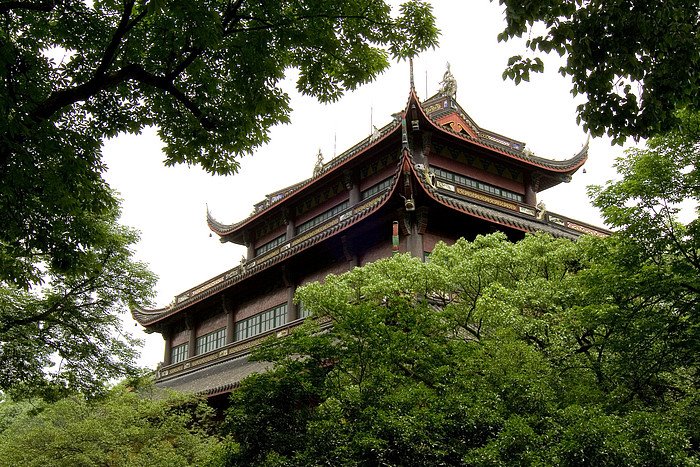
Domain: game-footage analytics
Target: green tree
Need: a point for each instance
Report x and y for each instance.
(654, 268)
(542, 352)
(65, 334)
(124, 428)
(636, 62)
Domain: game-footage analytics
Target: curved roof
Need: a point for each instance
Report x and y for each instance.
(482, 210)
(481, 206)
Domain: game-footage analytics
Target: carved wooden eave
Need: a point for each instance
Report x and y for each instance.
(506, 213)
(548, 172)
(151, 319)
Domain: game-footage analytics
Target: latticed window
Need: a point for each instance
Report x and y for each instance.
(374, 189)
(211, 341)
(178, 353)
(324, 216)
(270, 245)
(468, 182)
(262, 322)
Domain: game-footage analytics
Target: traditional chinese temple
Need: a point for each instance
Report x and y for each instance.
(430, 175)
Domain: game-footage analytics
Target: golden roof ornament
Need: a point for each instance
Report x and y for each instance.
(448, 85)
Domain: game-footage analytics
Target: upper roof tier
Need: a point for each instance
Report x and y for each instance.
(445, 117)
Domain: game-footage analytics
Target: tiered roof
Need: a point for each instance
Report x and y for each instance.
(444, 115)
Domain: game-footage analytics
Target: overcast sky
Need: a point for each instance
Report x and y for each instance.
(168, 205)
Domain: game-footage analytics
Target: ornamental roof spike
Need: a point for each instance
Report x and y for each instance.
(318, 167)
(448, 85)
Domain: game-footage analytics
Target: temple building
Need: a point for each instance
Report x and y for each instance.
(430, 175)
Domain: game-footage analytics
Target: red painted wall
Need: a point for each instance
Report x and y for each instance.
(431, 239)
(211, 324)
(271, 236)
(378, 177)
(380, 251)
(180, 337)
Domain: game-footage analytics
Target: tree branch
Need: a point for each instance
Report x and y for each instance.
(122, 29)
(182, 66)
(231, 14)
(66, 97)
(6, 7)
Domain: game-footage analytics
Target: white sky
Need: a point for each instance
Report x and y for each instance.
(168, 205)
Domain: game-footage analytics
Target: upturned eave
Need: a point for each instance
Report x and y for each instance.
(234, 232)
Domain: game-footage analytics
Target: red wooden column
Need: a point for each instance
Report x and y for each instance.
(530, 189)
(168, 347)
(192, 337)
(230, 322)
(292, 313)
(351, 184)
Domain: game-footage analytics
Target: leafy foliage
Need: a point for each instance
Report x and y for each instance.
(206, 73)
(125, 428)
(65, 335)
(657, 265)
(637, 62)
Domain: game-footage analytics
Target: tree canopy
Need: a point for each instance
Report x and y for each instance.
(541, 352)
(65, 334)
(127, 427)
(636, 62)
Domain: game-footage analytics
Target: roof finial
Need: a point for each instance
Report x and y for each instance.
(410, 65)
(318, 167)
(448, 85)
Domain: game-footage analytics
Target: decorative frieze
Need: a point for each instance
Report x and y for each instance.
(315, 231)
(433, 108)
(208, 285)
(473, 194)
(445, 186)
(557, 220)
